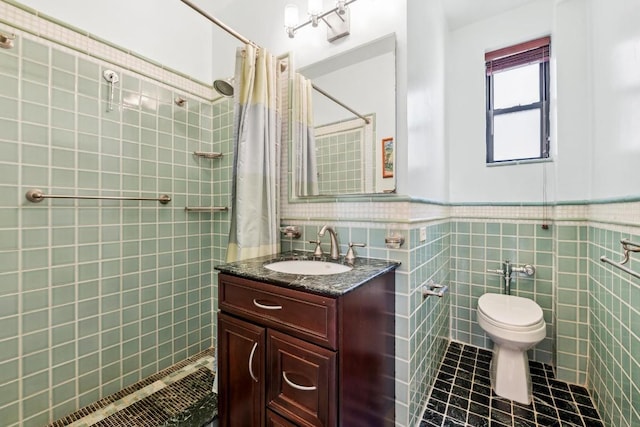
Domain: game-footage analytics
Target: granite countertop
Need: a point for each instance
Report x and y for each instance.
(364, 269)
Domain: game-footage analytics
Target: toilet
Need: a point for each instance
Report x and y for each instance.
(515, 325)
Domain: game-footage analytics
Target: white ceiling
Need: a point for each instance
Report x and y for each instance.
(460, 13)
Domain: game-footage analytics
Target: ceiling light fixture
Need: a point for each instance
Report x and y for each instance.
(338, 19)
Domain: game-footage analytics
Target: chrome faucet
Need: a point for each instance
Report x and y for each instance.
(335, 248)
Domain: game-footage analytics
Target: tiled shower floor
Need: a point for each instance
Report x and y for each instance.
(462, 396)
(178, 396)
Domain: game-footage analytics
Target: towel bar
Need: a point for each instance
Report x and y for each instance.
(36, 196)
(206, 209)
(628, 247)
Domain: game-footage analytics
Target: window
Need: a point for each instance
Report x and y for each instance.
(518, 102)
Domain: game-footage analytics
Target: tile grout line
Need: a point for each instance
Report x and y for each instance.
(138, 395)
(560, 396)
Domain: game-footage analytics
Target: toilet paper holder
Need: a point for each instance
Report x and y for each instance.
(434, 289)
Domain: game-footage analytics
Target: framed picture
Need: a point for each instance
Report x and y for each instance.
(388, 157)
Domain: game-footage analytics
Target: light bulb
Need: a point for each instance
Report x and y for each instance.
(290, 15)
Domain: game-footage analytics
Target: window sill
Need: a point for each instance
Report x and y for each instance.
(519, 162)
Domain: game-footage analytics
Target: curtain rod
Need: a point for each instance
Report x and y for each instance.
(247, 41)
(219, 23)
(366, 120)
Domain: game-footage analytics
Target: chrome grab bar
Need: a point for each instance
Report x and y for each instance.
(620, 266)
(206, 209)
(36, 196)
(628, 247)
(626, 243)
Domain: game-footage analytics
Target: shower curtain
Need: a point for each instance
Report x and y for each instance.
(306, 171)
(254, 207)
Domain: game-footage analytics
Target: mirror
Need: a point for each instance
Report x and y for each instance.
(352, 157)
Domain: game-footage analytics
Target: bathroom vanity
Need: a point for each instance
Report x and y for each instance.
(306, 350)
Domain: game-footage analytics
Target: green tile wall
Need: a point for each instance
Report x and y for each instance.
(428, 319)
(571, 303)
(614, 324)
(422, 325)
(221, 176)
(340, 163)
(95, 295)
(480, 245)
(593, 336)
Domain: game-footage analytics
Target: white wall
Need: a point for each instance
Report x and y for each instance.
(470, 178)
(263, 22)
(374, 92)
(571, 100)
(616, 95)
(425, 157)
(595, 103)
(166, 31)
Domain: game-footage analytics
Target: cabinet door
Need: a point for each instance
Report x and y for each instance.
(241, 382)
(275, 420)
(302, 380)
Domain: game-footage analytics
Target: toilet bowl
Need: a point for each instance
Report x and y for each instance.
(515, 325)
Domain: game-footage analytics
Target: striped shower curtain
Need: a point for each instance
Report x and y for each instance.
(254, 207)
(306, 169)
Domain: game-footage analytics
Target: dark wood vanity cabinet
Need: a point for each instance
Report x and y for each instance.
(243, 362)
(294, 358)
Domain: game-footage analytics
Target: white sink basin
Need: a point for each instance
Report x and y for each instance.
(309, 268)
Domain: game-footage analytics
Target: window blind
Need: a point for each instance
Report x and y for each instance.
(531, 52)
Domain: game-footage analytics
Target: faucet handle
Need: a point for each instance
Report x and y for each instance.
(318, 250)
(351, 256)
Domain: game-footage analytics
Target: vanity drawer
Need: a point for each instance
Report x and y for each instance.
(302, 380)
(309, 316)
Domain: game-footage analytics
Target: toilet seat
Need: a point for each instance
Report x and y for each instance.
(510, 312)
(515, 325)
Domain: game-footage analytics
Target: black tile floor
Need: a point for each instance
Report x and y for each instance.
(462, 396)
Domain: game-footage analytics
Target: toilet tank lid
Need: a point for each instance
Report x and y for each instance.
(510, 309)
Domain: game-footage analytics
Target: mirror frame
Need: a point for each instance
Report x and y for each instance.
(384, 44)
